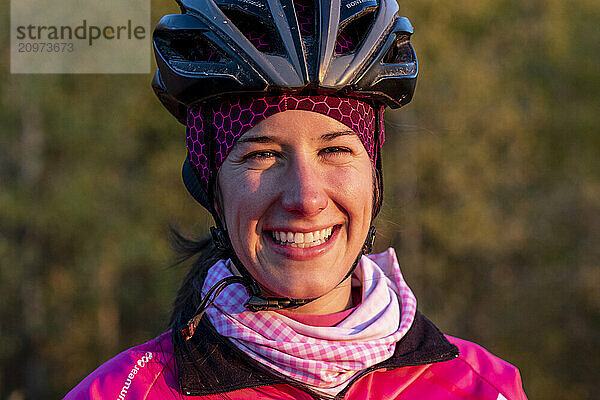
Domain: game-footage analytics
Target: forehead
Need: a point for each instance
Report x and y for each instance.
(298, 125)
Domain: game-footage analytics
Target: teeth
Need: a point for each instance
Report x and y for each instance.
(302, 240)
(299, 237)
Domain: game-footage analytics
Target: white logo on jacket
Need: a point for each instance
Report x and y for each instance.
(141, 363)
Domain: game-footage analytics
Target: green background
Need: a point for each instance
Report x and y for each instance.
(492, 199)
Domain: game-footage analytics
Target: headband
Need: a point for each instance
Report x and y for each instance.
(213, 129)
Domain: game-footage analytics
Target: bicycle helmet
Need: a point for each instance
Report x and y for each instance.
(324, 51)
(357, 48)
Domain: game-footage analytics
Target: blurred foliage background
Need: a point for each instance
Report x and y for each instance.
(492, 179)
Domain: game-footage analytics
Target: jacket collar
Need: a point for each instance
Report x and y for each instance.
(209, 363)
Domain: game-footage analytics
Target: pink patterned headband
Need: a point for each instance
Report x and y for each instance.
(223, 123)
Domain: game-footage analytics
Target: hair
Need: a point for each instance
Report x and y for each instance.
(189, 294)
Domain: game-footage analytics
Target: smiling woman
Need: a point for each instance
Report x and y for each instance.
(284, 134)
(296, 198)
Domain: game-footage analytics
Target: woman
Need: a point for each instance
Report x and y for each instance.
(283, 102)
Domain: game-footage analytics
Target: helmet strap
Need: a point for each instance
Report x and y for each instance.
(257, 301)
(369, 241)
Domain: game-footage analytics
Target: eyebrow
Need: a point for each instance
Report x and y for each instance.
(268, 139)
(333, 135)
(256, 139)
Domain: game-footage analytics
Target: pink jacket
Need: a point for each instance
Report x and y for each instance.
(426, 365)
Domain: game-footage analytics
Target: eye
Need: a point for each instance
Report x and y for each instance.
(260, 155)
(335, 151)
(260, 159)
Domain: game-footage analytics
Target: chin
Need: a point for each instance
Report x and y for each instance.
(304, 285)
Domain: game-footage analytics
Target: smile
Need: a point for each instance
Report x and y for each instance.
(302, 239)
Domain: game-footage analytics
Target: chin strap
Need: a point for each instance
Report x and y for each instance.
(255, 302)
(369, 241)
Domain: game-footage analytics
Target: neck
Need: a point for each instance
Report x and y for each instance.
(337, 300)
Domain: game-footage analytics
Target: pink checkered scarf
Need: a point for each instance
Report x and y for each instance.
(323, 358)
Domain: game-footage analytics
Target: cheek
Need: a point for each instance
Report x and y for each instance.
(246, 198)
(353, 190)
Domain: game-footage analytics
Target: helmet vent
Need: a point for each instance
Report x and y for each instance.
(189, 46)
(305, 13)
(400, 52)
(262, 35)
(353, 32)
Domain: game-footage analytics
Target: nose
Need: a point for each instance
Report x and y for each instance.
(303, 189)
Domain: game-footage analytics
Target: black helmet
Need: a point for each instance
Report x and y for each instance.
(354, 48)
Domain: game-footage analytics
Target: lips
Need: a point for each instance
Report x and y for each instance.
(302, 239)
(293, 251)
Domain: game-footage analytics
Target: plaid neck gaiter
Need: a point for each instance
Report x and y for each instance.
(324, 359)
